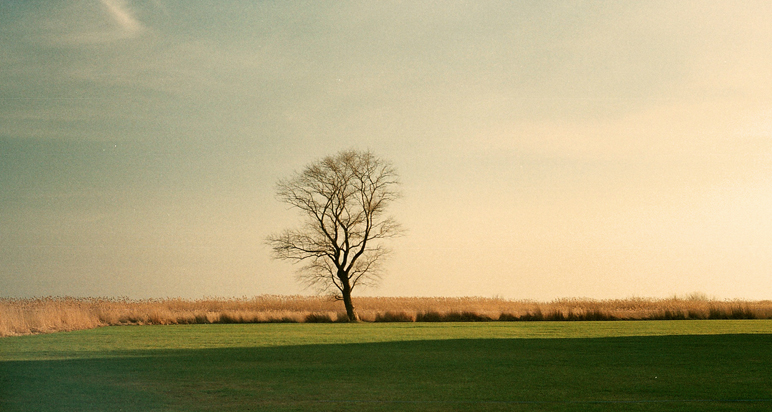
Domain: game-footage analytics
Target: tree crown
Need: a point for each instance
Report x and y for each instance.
(343, 199)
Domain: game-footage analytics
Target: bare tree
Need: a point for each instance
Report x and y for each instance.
(343, 199)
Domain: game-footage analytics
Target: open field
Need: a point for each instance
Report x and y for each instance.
(43, 315)
(535, 366)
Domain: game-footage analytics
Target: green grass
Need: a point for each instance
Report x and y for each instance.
(561, 366)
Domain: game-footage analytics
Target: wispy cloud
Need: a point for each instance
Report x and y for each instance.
(123, 16)
(92, 23)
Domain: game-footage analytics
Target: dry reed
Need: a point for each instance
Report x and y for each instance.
(52, 314)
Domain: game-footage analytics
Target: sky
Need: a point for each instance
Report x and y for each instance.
(546, 149)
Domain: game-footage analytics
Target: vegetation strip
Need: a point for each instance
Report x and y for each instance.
(44, 315)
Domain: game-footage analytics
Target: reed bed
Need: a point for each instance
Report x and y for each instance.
(53, 314)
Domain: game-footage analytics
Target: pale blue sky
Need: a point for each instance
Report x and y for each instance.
(547, 149)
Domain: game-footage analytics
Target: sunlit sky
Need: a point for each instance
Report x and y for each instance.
(599, 149)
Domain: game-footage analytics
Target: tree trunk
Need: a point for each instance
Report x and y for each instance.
(350, 311)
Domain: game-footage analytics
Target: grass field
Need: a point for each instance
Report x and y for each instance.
(558, 366)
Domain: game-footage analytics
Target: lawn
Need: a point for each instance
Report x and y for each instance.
(561, 366)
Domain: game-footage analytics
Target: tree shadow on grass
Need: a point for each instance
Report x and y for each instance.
(718, 372)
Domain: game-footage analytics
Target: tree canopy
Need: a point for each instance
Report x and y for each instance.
(343, 199)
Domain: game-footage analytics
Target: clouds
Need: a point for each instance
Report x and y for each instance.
(542, 129)
(128, 25)
(74, 69)
(81, 23)
(90, 24)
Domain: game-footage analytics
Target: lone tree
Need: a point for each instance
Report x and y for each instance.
(343, 199)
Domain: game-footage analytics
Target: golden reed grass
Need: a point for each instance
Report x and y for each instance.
(53, 314)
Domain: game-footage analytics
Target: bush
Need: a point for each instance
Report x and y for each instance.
(428, 317)
(451, 317)
(393, 317)
(465, 317)
(737, 312)
(671, 315)
(555, 316)
(230, 318)
(596, 315)
(318, 318)
(742, 313)
(283, 319)
(533, 317)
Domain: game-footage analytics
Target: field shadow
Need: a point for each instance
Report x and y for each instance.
(717, 372)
